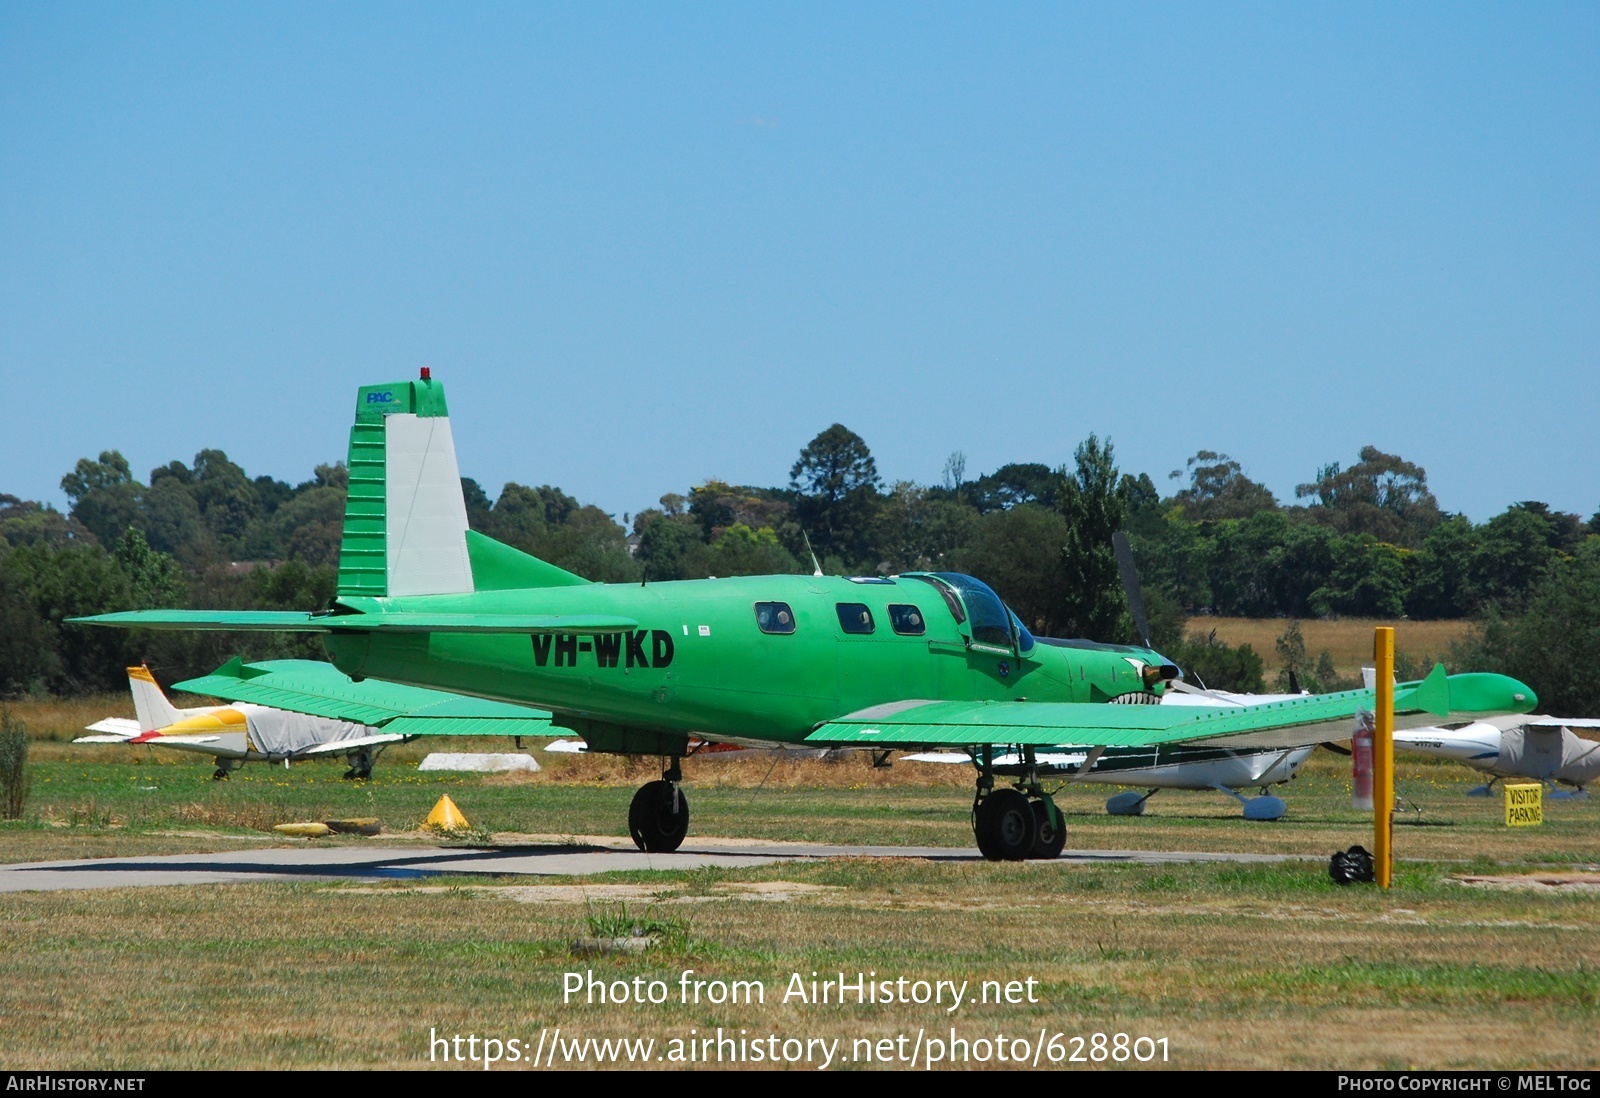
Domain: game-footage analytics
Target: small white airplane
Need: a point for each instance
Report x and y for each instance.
(1226, 770)
(243, 732)
(1543, 749)
(1529, 746)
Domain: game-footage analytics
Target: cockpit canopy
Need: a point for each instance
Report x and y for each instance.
(974, 602)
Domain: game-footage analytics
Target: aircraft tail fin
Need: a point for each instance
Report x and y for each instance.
(150, 705)
(405, 521)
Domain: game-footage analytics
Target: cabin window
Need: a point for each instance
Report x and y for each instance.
(774, 617)
(854, 617)
(907, 620)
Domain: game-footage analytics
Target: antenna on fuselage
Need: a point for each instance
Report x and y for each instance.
(813, 552)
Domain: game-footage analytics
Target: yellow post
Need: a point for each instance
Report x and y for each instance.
(1383, 758)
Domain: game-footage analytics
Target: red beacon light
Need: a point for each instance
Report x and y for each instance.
(427, 374)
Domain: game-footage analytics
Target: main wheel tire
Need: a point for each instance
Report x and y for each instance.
(658, 818)
(1049, 830)
(1004, 826)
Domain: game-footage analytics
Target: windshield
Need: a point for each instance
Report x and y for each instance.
(991, 621)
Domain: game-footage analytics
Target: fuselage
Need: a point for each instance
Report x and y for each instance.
(757, 659)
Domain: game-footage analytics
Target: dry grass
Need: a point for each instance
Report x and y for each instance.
(51, 719)
(1347, 640)
(57, 719)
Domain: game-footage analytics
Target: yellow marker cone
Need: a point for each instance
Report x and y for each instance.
(446, 815)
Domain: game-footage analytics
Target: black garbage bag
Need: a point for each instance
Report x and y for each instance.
(1351, 866)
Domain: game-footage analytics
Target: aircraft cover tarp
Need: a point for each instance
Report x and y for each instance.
(279, 732)
(1546, 753)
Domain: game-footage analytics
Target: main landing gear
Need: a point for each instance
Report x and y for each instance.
(224, 768)
(360, 766)
(1013, 824)
(658, 818)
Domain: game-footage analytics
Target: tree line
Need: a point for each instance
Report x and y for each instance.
(1366, 540)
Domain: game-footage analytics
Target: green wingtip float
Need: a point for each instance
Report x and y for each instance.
(913, 660)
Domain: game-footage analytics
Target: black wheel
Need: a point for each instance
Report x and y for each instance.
(1004, 826)
(658, 818)
(1049, 830)
(220, 774)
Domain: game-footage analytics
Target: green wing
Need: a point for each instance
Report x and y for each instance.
(321, 690)
(1290, 723)
(283, 621)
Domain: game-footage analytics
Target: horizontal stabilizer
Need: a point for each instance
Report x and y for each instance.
(232, 621)
(1286, 723)
(322, 690)
(281, 621)
(116, 729)
(406, 622)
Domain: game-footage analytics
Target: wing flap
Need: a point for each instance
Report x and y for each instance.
(340, 747)
(424, 725)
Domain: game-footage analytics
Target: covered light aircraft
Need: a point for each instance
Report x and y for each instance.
(369, 718)
(1544, 749)
(910, 662)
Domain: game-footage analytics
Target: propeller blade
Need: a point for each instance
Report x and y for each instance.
(1130, 585)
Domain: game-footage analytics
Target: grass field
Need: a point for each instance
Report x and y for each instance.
(1256, 966)
(1348, 641)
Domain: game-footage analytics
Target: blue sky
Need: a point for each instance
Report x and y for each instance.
(646, 245)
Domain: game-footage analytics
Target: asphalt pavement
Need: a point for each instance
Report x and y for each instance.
(381, 861)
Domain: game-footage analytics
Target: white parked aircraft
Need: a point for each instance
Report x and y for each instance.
(1528, 746)
(239, 733)
(1543, 749)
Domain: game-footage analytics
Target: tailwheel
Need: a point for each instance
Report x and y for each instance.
(1003, 823)
(658, 818)
(1050, 829)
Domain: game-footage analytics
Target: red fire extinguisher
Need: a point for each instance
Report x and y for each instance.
(1361, 762)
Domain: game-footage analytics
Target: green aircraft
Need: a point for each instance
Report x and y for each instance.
(909, 662)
